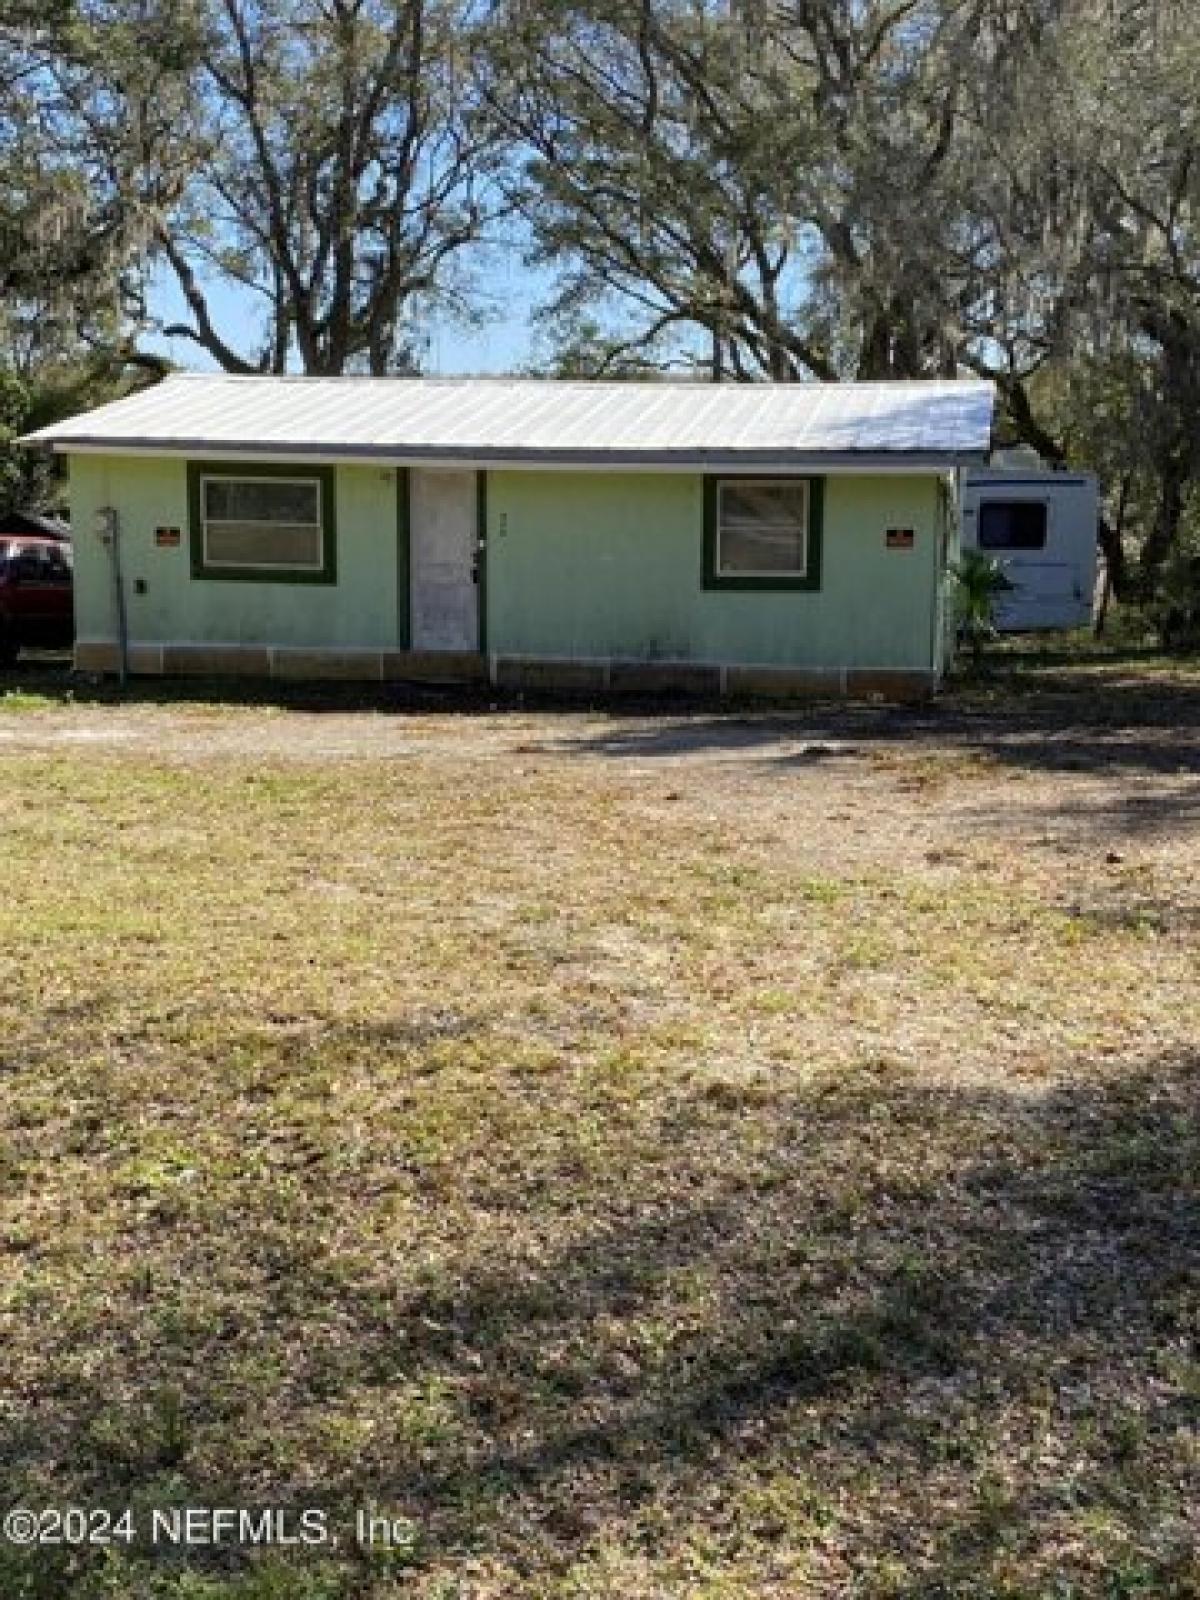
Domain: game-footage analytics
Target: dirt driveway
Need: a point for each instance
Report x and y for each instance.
(1083, 764)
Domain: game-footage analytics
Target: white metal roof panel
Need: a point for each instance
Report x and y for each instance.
(546, 421)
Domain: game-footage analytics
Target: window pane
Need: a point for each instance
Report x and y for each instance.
(762, 550)
(1012, 525)
(260, 500)
(763, 528)
(262, 544)
(778, 504)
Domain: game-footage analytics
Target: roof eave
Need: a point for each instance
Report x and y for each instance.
(499, 459)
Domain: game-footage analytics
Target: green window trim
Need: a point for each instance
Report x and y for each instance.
(811, 577)
(403, 558)
(326, 573)
(481, 556)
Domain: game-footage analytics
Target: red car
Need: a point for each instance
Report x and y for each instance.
(36, 606)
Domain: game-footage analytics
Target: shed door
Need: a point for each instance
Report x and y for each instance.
(442, 531)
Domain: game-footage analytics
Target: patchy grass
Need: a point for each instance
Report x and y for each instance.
(14, 701)
(640, 1157)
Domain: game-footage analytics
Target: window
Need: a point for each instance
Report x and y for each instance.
(264, 522)
(763, 533)
(39, 563)
(1012, 524)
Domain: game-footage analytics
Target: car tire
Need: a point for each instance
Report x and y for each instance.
(8, 651)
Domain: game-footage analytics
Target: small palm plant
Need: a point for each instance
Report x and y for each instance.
(980, 579)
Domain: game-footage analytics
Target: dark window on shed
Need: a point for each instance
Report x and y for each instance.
(1013, 524)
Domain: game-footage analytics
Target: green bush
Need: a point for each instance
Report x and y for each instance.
(1175, 608)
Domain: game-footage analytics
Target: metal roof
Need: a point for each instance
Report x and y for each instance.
(543, 422)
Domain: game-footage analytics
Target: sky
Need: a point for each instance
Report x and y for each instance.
(505, 341)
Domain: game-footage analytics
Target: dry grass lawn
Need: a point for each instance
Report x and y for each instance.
(646, 1155)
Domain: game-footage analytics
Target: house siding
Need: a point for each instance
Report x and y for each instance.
(610, 565)
(360, 610)
(581, 568)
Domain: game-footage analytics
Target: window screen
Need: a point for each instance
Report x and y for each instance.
(762, 528)
(1012, 525)
(262, 522)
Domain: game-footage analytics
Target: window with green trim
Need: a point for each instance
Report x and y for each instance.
(762, 533)
(267, 522)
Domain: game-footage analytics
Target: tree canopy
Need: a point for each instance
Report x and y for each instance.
(804, 191)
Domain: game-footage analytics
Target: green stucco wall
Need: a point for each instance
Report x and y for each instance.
(360, 609)
(611, 565)
(579, 565)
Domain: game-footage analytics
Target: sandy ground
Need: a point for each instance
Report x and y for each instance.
(1114, 772)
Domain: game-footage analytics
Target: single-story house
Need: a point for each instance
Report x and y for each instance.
(741, 538)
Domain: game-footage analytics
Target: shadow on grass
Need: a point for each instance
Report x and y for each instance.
(1144, 725)
(935, 1342)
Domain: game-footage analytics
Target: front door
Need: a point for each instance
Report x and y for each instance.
(443, 537)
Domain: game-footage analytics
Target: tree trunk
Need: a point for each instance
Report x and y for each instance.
(1028, 429)
(1116, 567)
(873, 353)
(1161, 539)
